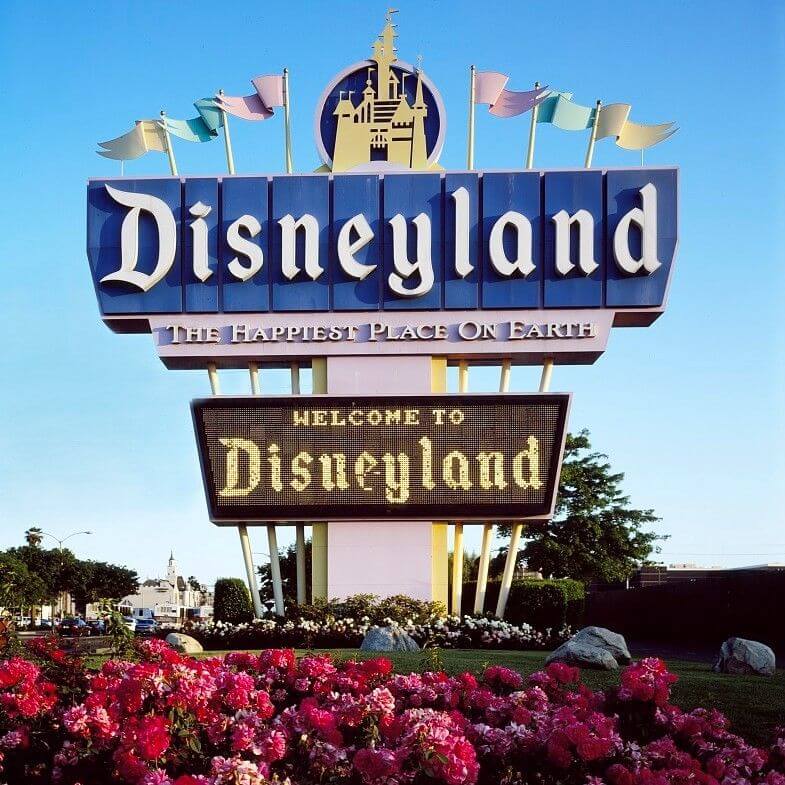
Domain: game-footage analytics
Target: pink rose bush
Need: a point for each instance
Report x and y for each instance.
(247, 719)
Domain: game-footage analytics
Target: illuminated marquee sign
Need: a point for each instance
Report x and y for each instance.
(418, 242)
(371, 458)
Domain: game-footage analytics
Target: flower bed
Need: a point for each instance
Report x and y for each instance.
(168, 719)
(330, 633)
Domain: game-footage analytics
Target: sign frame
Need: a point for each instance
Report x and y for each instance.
(429, 512)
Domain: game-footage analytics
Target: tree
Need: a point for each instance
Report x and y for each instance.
(34, 536)
(94, 580)
(288, 562)
(18, 586)
(194, 585)
(232, 601)
(594, 534)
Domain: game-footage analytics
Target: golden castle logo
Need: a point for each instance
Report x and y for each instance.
(395, 121)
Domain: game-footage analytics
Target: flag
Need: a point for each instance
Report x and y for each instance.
(559, 109)
(258, 105)
(489, 88)
(202, 128)
(145, 136)
(613, 121)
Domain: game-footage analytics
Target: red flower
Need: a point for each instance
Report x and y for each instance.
(152, 737)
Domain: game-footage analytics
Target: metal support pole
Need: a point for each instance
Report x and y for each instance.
(532, 132)
(593, 137)
(242, 529)
(482, 573)
(300, 549)
(250, 572)
(457, 569)
(253, 370)
(470, 143)
(275, 569)
(517, 528)
(457, 541)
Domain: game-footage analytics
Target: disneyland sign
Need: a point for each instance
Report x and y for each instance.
(358, 243)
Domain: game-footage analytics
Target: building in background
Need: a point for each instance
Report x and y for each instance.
(168, 599)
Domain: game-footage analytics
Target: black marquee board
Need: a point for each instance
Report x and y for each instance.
(366, 458)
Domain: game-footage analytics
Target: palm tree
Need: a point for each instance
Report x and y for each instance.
(33, 536)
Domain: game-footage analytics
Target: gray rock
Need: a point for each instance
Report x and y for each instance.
(583, 655)
(742, 657)
(185, 644)
(388, 639)
(602, 638)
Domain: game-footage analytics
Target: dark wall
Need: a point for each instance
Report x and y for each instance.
(703, 612)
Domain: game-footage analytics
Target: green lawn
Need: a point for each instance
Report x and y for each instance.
(754, 704)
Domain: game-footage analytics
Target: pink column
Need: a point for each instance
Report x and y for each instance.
(382, 557)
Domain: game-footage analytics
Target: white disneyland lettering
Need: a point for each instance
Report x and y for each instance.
(289, 228)
(584, 221)
(199, 231)
(252, 252)
(522, 263)
(347, 247)
(645, 219)
(409, 278)
(404, 268)
(129, 239)
(463, 264)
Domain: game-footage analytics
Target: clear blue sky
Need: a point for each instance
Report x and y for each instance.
(96, 434)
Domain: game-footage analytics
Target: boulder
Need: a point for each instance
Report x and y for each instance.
(574, 652)
(185, 644)
(388, 639)
(740, 656)
(593, 647)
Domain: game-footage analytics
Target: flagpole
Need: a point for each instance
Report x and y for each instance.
(470, 151)
(532, 131)
(287, 128)
(227, 138)
(593, 137)
(169, 150)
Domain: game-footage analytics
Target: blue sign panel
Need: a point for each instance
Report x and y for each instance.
(392, 242)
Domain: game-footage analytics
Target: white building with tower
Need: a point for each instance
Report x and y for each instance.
(168, 599)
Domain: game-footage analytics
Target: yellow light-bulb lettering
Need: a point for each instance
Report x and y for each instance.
(396, 490)
(340, 480)
(274, 459)
(233, 467)
(302, 475)
(498, 481)
(427, 464)
(462, 482)
(365, 463)
(530, 456)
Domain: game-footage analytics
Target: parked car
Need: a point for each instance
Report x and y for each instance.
(146, 626)
(97, 626)
(73, 628)
(130, 622)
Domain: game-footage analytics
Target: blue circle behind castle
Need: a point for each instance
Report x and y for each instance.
(354, 88)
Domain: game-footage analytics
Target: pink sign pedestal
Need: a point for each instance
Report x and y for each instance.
(387, 557)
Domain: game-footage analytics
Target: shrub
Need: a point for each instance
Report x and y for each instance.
(399, 609)
(545, 605)
(232, 601)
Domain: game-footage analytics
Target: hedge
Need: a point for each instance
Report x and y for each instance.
(702, 612)
(232, 601)
(542, 604)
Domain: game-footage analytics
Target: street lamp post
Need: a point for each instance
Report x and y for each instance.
(59, 541)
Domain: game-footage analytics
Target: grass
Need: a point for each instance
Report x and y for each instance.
(755, 705)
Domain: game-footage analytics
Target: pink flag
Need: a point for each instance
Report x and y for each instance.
(488, 85)
(258, 105)
(489, 88)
